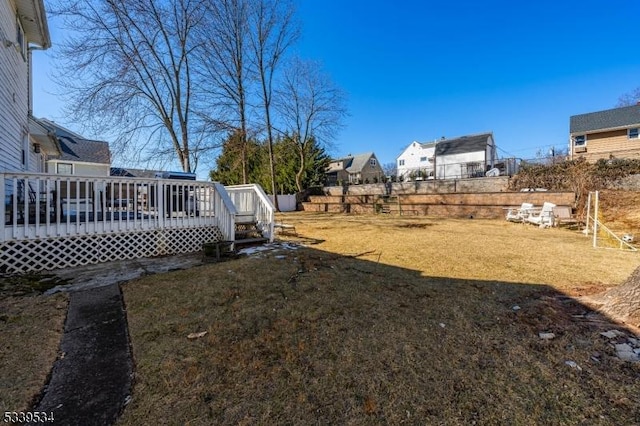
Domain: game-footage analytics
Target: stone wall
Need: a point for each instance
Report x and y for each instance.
(476, 204)
(494, 184)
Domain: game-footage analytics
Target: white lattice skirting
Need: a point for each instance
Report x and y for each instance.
(64, 252)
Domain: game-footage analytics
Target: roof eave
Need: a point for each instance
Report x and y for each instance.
(607, 129)
(34, 21)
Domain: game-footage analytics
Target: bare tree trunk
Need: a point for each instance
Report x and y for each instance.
(300, 172)
(224, 65)
(273, 32)
(622, 302)
(311, 106)
(272, 166)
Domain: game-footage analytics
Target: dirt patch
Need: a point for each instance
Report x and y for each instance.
(414, 225)
(28, 284)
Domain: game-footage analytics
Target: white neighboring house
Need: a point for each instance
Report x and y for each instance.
(462, 157)
(23, 27)
(417, 161)
(465, 157)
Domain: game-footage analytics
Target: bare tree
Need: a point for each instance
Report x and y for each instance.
(629, 98)
(127, 70)
(226, 69)
(273, 32)
(390, 169)
(311, 107)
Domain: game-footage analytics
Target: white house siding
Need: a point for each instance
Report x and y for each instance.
(454, 166)
(411, 157)
(13, 94)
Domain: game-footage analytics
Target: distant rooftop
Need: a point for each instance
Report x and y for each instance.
(463, 144)
(609, 119)
(74, 147)
(352, 163)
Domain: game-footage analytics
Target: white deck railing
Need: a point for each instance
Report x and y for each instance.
(227, 214)
(38, 206)
(251, 199)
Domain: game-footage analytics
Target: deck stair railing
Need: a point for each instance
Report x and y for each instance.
(253, 206)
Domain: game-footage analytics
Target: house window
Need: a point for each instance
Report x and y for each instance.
(400, 162)
(633, 133)
(20, 40)
(372, 162)
(580, 140)
(423, 159)
(64, 169)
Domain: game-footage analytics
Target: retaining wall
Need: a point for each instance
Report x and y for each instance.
(492, 184)
(480, 205)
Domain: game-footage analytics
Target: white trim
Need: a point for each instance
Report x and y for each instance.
(573, 140)
(59, 160)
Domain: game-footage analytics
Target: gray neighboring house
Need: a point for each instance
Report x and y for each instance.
(464, 157)
(78, 156)
(613, 133)
(354, 169)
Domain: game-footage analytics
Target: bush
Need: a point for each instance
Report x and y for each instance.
(577, 175)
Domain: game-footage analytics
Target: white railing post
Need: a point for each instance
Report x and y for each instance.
(160, 203)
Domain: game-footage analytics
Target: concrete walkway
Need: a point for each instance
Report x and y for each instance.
(91, 380)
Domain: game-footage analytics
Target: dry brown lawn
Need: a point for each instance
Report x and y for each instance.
(31, 328)
(385, 320)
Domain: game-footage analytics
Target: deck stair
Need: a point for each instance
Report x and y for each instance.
(247, 232)
(386, 204)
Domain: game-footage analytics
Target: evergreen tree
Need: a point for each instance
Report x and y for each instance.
(286, 163)
(229, 165)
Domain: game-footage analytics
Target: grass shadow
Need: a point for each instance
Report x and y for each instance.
(307, 336)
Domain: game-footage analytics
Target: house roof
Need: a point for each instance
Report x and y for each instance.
(84, 150)
(608, 119)
(463, 144)
(33, 18)
(351, 163)
(426, 145)
(43, 136)
(128, 172)
(74, 147)
(359, 162)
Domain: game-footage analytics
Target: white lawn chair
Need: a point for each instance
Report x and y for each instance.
(543, 217)
(519, 214)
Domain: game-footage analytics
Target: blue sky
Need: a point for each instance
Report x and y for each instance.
(420, 70)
